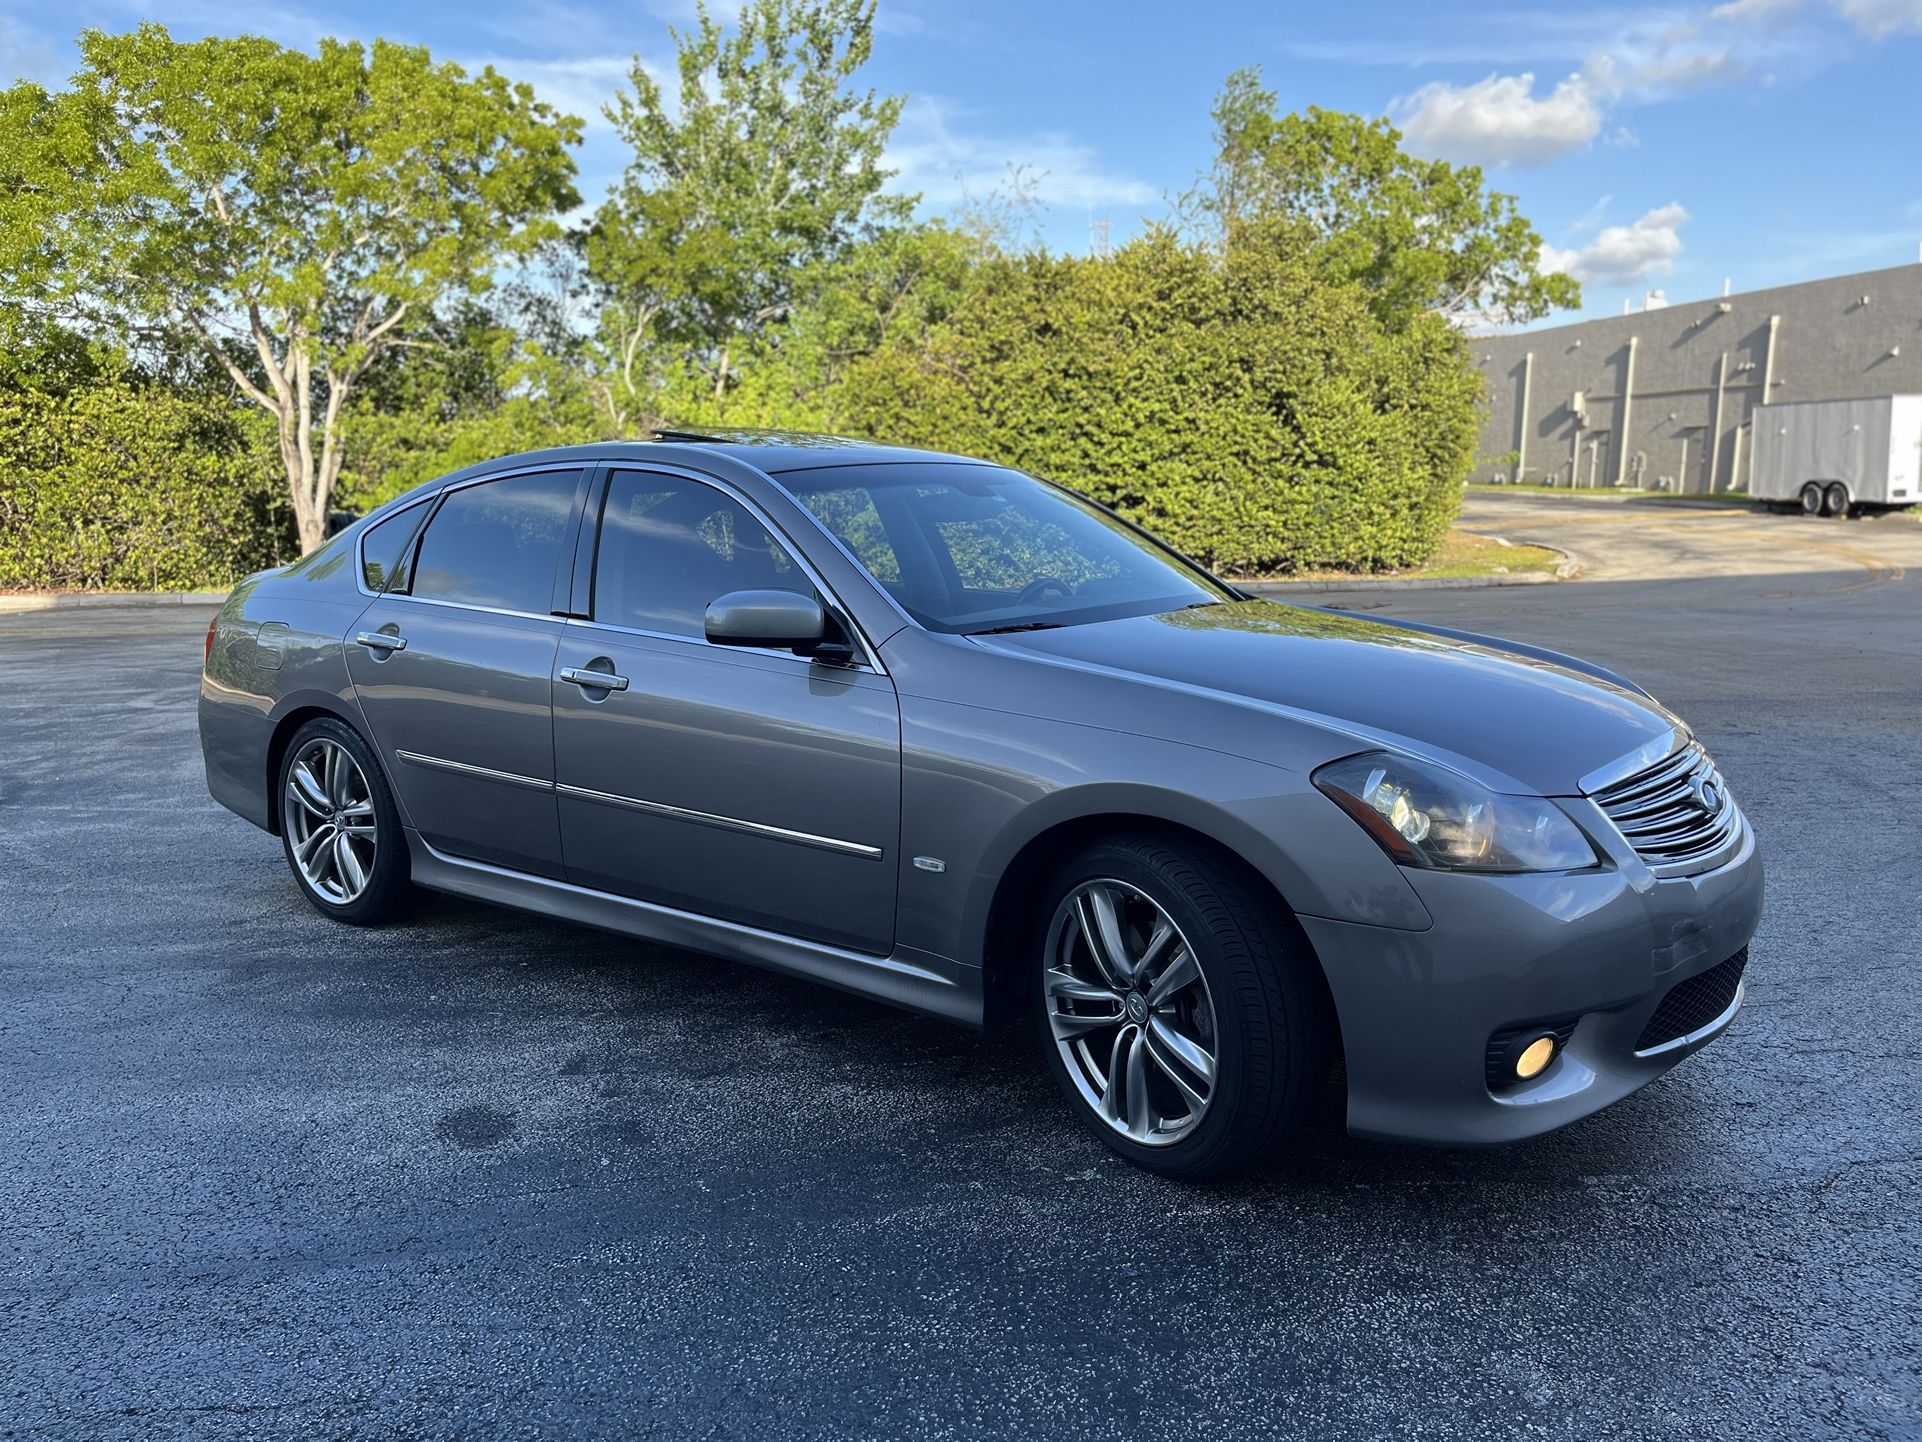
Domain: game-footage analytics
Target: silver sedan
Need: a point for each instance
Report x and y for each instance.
(940, 733)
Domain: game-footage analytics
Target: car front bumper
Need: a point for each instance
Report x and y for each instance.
(1600, 949)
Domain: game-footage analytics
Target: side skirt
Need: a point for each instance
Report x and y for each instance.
(915, 980)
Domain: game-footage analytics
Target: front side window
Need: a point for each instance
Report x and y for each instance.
(387, 550)
(499, 543)
(972, 548)
(670, 546)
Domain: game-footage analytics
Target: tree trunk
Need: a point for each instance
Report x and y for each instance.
(310, 506)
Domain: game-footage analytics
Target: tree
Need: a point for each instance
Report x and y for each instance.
(1416, 234)
(766, 164)
(314, 208)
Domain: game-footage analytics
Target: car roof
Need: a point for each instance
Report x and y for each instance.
(771, 452)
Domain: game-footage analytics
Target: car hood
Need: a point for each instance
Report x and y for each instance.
(1517, 715)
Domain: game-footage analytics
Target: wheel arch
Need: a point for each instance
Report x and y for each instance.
(286, 725)
(1014, 907)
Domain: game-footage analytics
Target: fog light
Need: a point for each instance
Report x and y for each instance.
(1535, 1058)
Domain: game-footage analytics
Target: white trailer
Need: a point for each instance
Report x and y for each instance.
(1831, 457)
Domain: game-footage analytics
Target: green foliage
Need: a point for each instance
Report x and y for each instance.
(764, 163)
(316, 207)
(1245, 409)
(125, 485)
(326, 235)
(477, 383)
(1417, 234)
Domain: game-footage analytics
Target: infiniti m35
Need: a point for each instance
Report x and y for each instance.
(941, 733)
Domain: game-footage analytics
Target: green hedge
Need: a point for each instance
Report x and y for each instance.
(1243, 408)
(123, 486)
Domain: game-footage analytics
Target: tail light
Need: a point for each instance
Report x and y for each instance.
(207, 652)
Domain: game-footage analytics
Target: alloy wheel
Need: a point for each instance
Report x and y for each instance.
(328, 812)
(1130, 1012)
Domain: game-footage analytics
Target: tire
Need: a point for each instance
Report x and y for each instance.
(335, 802)
(1254, 1009)
(1812, 499)
(1835, 500)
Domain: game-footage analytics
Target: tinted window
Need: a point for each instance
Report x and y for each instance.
(977, 548)
(669, 546)
(386, 551)
(499, 543)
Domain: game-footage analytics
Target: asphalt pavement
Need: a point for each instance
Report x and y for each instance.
(483, 1175)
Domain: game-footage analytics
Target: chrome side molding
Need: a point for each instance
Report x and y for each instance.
(728, 823)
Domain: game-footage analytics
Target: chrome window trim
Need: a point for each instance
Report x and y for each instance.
(871, 658)
(471, 606)
(463, 768)
(726, 823)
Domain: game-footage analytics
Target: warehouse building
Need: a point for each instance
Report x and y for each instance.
(1662, 398)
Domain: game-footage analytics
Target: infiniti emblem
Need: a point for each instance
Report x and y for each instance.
(1705, 793)
(1137, 1007)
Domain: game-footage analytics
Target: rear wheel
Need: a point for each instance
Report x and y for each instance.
(1835, 500)
(1180, 1016)
(1812, 499)
(339, 826)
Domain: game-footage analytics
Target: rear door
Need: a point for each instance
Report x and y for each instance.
(755, 786)
(453, 666)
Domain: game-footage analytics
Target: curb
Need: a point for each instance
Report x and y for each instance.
(1571, 566)
(14, 602)
(1662, 499)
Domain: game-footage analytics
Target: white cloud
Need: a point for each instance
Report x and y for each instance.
(1623, 254)
(948, 164)
(1646, 57)
(1879, 19)
(1500, 121)
(578, 87)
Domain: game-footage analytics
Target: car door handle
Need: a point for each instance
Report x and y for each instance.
(594, 680)
(380, 641)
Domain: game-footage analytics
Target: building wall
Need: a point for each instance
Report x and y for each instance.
(1854, 335)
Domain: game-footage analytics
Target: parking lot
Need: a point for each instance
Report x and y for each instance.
(490, 1175)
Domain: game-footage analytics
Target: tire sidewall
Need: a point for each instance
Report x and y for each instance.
(1835, 501)
(389, 880)
(1197, 1153)
(1814, 499)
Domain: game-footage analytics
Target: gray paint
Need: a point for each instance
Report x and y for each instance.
(759, 805)
(1683, 399)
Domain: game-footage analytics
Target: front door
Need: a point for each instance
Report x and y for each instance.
(453, 666)
(755, 786)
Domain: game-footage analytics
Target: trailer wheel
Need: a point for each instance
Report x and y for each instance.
(1812, 499)
(1835, 500)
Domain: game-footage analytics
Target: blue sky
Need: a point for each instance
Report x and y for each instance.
(1765, 141)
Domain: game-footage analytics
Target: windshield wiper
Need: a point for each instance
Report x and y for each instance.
(1020, 626)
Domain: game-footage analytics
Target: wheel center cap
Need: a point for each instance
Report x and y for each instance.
(1137, 1007)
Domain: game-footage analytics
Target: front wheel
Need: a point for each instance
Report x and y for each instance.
(340, 827)
(1181, 1018)
(1812, 499)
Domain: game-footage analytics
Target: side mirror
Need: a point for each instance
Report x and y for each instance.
(774, 620)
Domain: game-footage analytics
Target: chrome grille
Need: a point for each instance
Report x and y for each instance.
(1677, 814)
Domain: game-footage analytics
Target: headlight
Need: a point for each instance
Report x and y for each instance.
(1427, 815)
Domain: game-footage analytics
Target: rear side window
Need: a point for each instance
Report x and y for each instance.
(499, 543)
(387, 550)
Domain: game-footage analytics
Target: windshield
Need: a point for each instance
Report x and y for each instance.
(974, 548)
